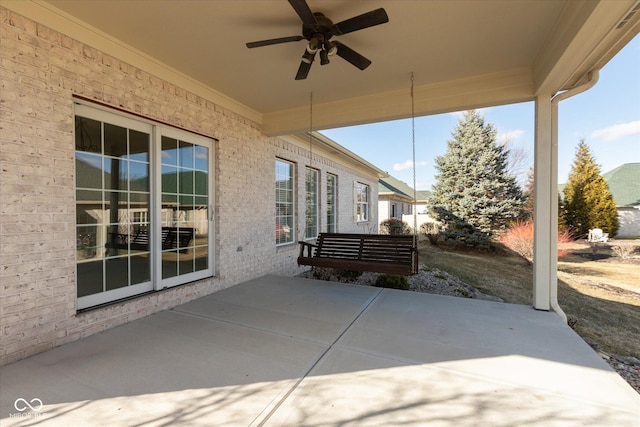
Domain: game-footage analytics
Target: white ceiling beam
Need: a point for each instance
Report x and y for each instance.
(455, 95)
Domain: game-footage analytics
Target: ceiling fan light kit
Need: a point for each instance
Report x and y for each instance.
(318, 30)
(308, 57)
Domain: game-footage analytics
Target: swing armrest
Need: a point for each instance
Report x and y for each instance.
(309, 247)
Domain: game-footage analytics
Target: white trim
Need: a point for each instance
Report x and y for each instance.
(335, 201)
(191, 138)
(367, 204)
(543, 233)
(294, 193)
(156, 131)
(112, 295)
(316, 173)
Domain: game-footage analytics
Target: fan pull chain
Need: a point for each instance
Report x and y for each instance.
(413, 143)
(310, 127)
(310, 146)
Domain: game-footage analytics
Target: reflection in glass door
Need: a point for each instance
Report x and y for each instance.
(143, 206)
(184, 209)
(112, 207)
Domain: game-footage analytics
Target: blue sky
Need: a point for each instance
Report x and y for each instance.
(606, 116)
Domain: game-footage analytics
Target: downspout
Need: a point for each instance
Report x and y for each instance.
(592, 79)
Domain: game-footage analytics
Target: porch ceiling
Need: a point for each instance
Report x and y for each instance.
(463, 54)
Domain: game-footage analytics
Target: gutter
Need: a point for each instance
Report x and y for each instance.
(592, 79)
(330, 146)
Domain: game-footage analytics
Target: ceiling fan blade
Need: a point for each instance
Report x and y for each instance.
(304, 12)
(303, 70)
(274, 41)
(366, 20)
(351, 56)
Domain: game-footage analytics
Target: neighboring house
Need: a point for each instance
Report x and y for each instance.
(396, 200)
(624, 185)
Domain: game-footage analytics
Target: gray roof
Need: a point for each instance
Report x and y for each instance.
(391, 186)
(624, 184)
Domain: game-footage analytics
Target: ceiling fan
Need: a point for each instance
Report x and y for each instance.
(318, 30)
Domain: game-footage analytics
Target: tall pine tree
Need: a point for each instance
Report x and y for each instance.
(474, 195)
(588, 203)
(529, 194)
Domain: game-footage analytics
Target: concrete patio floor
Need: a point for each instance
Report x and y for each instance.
(291, 351)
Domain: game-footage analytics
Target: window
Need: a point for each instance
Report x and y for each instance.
(284, 202)
(361, 202)
(332, 202)
(311, 201)
(185, 201)
(140, 226)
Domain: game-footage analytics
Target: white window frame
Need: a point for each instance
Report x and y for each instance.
(361, 200)
(332, 208)
(290, 220)
(312, 210)
(156, 131)
(196, 140)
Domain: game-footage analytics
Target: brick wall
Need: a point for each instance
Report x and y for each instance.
(42, 71)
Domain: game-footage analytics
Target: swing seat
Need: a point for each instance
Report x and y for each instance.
(380, 253)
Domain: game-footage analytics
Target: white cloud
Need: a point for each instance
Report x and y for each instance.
(615, 132)
(408, 165)
(504, 137)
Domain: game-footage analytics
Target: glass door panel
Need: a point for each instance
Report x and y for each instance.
(184, 209)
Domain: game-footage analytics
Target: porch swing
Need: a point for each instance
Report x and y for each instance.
(379, 253)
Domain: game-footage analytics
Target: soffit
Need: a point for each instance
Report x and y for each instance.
(463, 54)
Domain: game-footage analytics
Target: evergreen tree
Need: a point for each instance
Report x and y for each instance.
(588, 203)
(474, 195)
(527, 209)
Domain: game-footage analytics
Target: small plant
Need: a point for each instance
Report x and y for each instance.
(519, 238)
(348, 274)
(431, 230)
(623, 251)
(322, 273)
(332, 274)
(392, 281)
(394, 226)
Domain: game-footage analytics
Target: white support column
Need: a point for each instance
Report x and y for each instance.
(546, 274)
(545, 191)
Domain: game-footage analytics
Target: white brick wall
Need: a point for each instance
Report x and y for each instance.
(42, 71)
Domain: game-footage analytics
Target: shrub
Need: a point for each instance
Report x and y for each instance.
(333, 274)
(519, 238)
(348, 275)
(392, 281)
(564, 237)
(623, 251)
(394, 226)
(431, 230)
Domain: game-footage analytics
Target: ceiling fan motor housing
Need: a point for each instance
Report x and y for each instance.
(323, 27)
